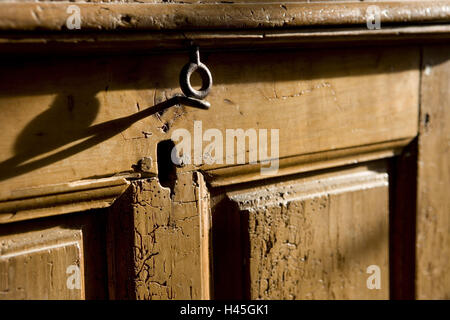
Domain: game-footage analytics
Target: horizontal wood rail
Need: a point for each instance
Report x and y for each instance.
(37, 26)
(52, 16)
(51, 200)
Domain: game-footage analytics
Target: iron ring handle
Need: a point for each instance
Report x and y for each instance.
(186, 73)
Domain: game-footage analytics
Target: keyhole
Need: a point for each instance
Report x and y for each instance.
(167, 175)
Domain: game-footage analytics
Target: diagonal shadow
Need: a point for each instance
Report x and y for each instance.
(59, 132)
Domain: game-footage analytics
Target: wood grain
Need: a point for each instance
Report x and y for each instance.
(33, 265)
(51, 200)
(159, 247)
(98, 43)
(74, 128)
(52, 16)
(313, 237)
(35, 257)
(68, 124)
(433, 211)
(305, 163)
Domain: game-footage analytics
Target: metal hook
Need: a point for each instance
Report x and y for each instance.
(187, 71)
(192, 98)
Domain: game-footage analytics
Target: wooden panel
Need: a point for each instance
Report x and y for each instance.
(311, 237)
(34, 265)
(433, 214)
(159, 241)
(68, 124)
(39, 258)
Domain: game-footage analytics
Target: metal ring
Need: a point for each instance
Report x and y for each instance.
(185, 80)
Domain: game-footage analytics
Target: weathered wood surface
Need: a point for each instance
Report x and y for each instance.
(61, 198)
(62, 257)
(308, 162)
(225, 25)
(72, 123)
(171, 16)
(99, 43)
(310, 237)
(433, 209)
(33, 265)
(159, 241)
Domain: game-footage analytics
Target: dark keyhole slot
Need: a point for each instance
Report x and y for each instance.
(166, 168)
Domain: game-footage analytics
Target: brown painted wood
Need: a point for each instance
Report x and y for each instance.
(433, 209)
(159, 241)
(171, 16)
(362, 180)
(51, 200)
(40, 268)
(225, 26)
(310, 237)
(98, 43)
(68, 123)
(37, 258)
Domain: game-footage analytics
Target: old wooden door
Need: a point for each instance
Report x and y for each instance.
(319, 172)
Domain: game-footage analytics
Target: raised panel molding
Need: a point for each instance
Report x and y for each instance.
(51, 200)
(34, 265)
(308, 238)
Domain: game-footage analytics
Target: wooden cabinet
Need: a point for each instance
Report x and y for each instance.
(320, 170)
